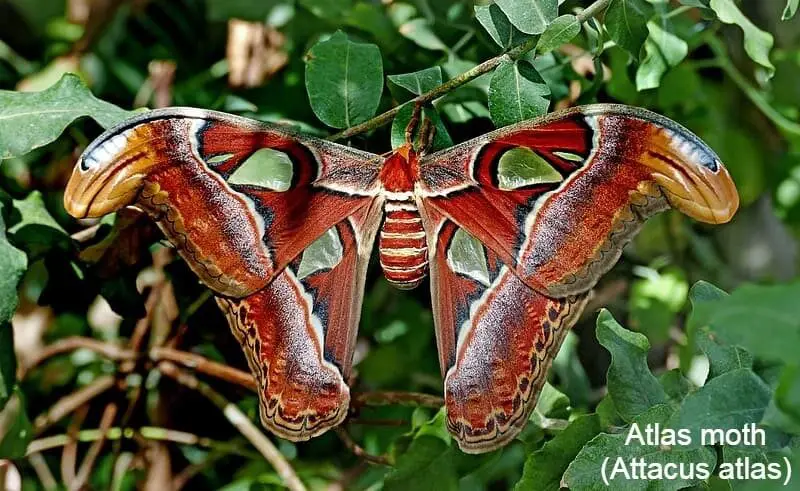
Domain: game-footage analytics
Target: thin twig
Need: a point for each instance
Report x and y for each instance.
(43, 471)
(145, 433)
(203, 365)
(239, 420)
(244, 379)
(143, 325)
(69, 456)
(103, 348)
(401, 398)
(71, 402)
(378, 422)
(466, 77)
(358, 451)
(94, 451)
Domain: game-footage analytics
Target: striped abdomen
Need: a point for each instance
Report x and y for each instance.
(402, 246)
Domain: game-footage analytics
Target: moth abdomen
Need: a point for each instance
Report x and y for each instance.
(402, 245)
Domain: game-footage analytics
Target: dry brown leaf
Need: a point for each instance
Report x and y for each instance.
(254, 53)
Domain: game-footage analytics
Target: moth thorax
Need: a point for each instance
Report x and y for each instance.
(402, 245)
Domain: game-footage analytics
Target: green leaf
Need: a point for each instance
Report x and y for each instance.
(8, 363)
(498, 26)
(655, 301)
(371, 18)
(344, 80)
(611, 450)
(561, 31)
(790, 10)
(419, 31)
(730, 401)
(441, 138)
(327, 9)
(722, 358)
(545, 467)
(752, 456)
(608, 414)
(34, 212)
(572, 378)
(417, 83)
(631, 385)
(787, 394)
(517, 93)
(529, 16)
(703, 296)
(426, 464)
(663, 50)
(775, 308)
(552, 403)
(13, 264)
(16, 430)
(675, 385)
(36, 231)
(701, 4)
(30, 120)
(626, 22)
(757, 43)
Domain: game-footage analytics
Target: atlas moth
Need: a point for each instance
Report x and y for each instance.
(514, 229)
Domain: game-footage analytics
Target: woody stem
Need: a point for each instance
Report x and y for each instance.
(466, 77)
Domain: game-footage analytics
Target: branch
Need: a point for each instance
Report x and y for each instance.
(239, 420)
(69, 455)
(44, 473)
(71, 402)
(360, 452)
(203, 365)
(229, 374)
(466, 77)
(103, 348)
(401, 398)
(145, 432)
(89, 460)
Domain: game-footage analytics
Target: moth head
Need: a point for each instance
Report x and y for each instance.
(691, 176)
(111, 171)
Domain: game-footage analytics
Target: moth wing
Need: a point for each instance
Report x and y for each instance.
(299, 332)
(240, 199)
(496, 336)
(557, 198)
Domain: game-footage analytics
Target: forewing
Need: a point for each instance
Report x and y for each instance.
(240, 199)
(557, 198)
(496, 336)
(298, 333)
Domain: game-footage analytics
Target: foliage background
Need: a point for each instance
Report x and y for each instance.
(97, 307)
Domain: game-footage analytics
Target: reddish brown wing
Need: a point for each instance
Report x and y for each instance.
(240, 199)
(280, 226)
(557, 198)
(496, 336)
(522, 223)
(299, 332)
